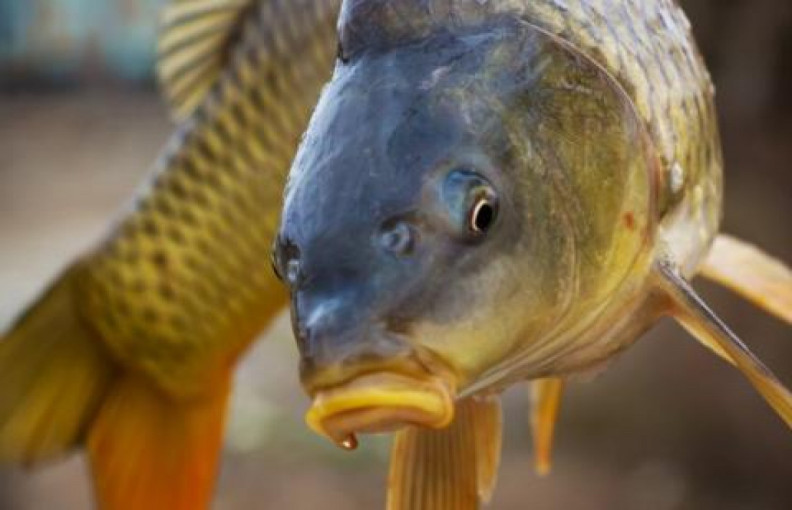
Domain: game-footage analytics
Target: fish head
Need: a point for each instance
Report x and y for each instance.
(431, 228)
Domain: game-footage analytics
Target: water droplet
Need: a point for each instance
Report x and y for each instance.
(350, 443)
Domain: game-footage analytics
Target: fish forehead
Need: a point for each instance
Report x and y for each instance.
(382, 125)
(365, 23)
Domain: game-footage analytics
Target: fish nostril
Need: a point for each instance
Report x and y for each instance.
(397, 238)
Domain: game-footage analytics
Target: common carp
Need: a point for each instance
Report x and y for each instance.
(489, 192)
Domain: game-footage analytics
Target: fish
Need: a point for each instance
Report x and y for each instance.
(130, 352)
(493, 193)
(488, 193)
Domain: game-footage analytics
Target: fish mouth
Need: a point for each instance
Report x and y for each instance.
(381, 402)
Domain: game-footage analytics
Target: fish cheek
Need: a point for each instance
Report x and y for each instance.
(475, 320)
(478, 312)
(478, 303)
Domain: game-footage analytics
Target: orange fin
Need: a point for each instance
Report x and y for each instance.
(752, 274)
(453, 468)
(148, 451)
(53, 376)
(545, 404)
(691, 311)
(487, 423)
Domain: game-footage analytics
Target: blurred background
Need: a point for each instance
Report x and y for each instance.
(667, 427)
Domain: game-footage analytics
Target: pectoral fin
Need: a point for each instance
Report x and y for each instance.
(691, 311)
(754, 275)
(545, 404)
(448, 469)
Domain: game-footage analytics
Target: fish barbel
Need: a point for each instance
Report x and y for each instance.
(489, 192)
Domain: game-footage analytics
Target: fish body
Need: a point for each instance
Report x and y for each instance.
(489, 192)
(183, 282)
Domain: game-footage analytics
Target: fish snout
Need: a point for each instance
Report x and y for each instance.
(336, 342)
(364, 378)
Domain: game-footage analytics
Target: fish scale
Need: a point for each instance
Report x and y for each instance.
(649, 49)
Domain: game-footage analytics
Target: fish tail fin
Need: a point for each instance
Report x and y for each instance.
(751, 273)
(149, 451)
(545, 404)
(53, 376)
(696, 317)
(452, 468)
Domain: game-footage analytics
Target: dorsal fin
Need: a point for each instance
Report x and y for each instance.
(194, 40)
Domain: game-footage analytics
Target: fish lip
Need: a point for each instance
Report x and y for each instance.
(381, 401)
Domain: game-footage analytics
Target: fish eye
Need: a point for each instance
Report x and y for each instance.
(482, 216)
(285, 260)
(275, 265)
(471, 203)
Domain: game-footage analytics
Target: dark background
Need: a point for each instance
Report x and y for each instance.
(667, 427)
